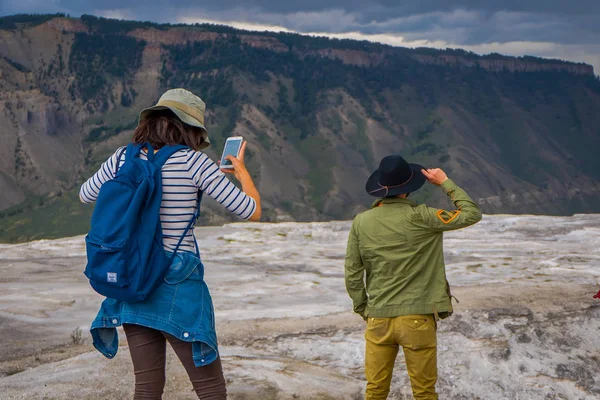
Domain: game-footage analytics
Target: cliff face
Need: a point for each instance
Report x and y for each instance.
(511, 64)
(518, 133)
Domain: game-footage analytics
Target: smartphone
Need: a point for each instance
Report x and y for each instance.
(232, 148)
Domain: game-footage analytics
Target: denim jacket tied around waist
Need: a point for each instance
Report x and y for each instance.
(181, 306)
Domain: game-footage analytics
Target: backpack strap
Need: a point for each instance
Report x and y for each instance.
(132, 151)
(118, 163)
(158, 158)
(190, 225)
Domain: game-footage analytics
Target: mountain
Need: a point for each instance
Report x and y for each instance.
(521, 135)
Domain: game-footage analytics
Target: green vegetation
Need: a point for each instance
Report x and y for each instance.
(444, 159)
(52, 216)
(19, 161)
(102, 132)
(96, 58)
(284, 110)
(548, 98)
(222, 125)
(13, 21)
(320, 176)
(209, 68)
(113, 26)
(43, 217)
(287, 205)
(361, 142)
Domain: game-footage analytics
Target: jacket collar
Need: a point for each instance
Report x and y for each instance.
(393, 200)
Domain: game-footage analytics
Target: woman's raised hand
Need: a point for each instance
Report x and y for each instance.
(239, 166)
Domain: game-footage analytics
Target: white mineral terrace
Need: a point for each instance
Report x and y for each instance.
(526, 328)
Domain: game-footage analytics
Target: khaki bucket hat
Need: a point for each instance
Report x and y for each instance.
(188, 107)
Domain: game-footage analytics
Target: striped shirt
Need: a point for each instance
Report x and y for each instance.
(184, 173)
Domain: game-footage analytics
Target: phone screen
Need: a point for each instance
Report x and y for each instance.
(232, 148)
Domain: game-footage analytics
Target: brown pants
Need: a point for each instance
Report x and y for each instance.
(148, 349)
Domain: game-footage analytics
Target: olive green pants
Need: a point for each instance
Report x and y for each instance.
(417, 336)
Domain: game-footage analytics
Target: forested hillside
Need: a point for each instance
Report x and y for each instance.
(520, 134)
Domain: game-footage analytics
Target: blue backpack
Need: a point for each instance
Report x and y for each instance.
(125, 254)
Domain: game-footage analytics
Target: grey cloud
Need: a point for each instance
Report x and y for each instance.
(387, 7)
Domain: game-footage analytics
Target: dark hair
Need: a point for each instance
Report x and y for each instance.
(398, 195)
(162, 127)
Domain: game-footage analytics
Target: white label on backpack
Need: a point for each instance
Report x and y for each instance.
(111, 277)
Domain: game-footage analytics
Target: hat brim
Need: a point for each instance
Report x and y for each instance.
(185, 118)
(415, 183)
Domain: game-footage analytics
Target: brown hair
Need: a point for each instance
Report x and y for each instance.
(162, 127)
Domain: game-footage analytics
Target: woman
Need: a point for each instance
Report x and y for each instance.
(180, 311)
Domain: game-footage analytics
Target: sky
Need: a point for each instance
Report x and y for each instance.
(564, 29)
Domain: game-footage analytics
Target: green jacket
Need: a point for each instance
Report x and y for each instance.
(397, 246)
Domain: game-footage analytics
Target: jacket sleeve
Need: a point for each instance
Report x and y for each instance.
(467, 212)
(354, 272)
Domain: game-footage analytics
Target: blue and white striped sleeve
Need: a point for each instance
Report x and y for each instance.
(91, 188)
(207, 176)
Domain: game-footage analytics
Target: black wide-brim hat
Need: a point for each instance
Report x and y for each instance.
(395, 176)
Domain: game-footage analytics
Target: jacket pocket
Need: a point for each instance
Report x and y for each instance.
(182, 269)
(419, 331)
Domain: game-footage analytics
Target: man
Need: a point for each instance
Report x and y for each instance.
(397, 247)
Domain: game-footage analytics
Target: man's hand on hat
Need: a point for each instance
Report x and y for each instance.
(435, 175)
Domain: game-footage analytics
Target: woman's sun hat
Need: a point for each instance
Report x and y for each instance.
(188, 107)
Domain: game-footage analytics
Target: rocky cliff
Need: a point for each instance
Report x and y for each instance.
(518, 133)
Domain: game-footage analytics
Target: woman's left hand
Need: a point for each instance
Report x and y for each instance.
(239, 166)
